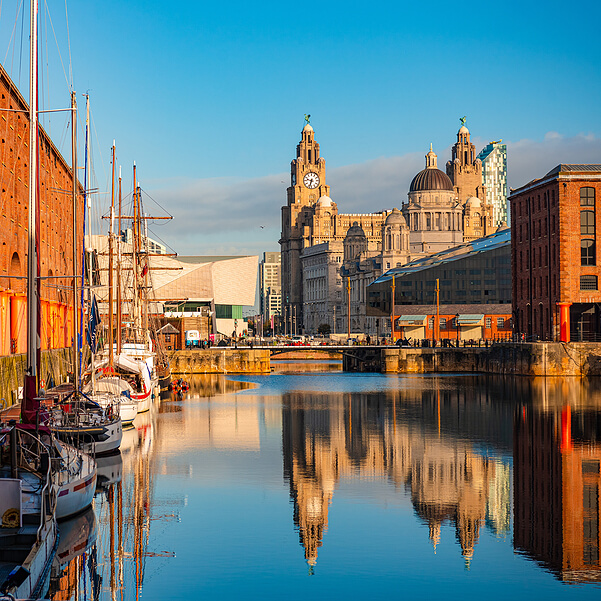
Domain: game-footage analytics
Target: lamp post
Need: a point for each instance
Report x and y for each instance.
(392, 310)
(436, 333)
(457, 327)
(348, 297)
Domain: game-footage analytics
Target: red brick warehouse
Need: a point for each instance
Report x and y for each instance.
(56, 231)
(555, 263)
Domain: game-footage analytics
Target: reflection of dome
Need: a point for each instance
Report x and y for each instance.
(395, 218)
(431, 178)
(324, 201)
(307, 128)
(355, 231)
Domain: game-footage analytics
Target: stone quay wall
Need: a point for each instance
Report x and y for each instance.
(525, 359)
(56, 363)
(220, 361)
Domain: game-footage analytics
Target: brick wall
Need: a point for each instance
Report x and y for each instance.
(55, 222)
(546, 250)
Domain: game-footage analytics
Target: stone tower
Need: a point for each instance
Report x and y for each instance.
(465, 169)
(307, 186)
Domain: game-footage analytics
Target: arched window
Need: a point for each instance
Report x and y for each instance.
(587, 223)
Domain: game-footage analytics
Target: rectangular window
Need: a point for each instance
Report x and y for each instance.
(587, 252)
(587, 223)
(443, 323)
(488, 323)
(500, 323)
(431, 323)
(588, 282)
(587, 197)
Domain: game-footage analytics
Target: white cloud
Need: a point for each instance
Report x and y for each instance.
(242, 216)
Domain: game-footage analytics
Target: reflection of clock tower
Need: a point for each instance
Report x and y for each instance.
(307, 186)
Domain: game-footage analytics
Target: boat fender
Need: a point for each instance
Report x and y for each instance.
(10, 518)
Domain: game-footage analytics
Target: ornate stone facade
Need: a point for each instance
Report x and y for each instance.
(324, 252)
(309, 219)
(465, 172)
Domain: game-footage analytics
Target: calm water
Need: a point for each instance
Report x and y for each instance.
(334, 485)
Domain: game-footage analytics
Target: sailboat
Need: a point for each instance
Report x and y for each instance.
(28, 493)
(73, 471)
(27, 512)
(75, 416)
(133, 358)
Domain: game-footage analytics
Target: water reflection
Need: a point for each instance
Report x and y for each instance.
(513, 462)
(422, 441)
(557, 456)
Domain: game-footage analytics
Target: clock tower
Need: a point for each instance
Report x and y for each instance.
(307, 186)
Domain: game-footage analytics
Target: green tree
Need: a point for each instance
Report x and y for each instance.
(324, 329)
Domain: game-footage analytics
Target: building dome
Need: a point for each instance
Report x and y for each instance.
(473, 201)
(307, 128)
(395, 218)
(324, 201)
(464, 130)
(355, 231)
(431, 178)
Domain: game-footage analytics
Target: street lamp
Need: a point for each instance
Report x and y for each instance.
(457, 327)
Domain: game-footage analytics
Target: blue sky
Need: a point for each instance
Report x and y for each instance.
(208, 98)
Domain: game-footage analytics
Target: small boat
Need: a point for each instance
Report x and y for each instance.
(28, 499)
(76, 474)
(114, 390)
(77, 419)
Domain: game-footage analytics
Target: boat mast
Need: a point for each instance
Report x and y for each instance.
(111, 235)
(135, 256)
(33, 298)
(86, 261)
(75, 263)
(119, 300)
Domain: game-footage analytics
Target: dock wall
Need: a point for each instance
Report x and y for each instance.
(530, 359)
(56, 363)
(220, 361)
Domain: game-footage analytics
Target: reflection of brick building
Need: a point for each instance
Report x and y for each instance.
(557, 457)
(554, 225)
(55, 219)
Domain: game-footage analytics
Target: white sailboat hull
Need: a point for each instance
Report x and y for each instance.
(76, 481)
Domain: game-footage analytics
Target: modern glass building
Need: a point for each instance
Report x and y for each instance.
(494, 178)
(478, 272)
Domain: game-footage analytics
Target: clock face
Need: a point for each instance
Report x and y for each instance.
(311, 180)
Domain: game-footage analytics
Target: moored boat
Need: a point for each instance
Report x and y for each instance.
(28, 498)
(79, 420)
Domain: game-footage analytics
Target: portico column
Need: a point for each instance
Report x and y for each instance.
(564, 321)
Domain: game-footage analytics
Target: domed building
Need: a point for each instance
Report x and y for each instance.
(432, 213)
